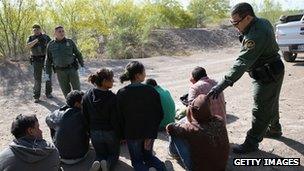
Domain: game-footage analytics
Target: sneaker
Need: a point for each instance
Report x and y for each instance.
(95, 166)
(103, 165)
(244, 148)
(49, 96)
(36, 100)
(272, 133)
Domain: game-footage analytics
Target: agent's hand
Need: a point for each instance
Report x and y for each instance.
(218, 89)
(81, 71)
(214, 92)
(46, 77)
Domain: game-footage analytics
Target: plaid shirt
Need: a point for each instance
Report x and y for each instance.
(203, 86)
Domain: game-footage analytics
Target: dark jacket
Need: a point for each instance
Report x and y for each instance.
(99, 108)
(39, 49)
(70, 132)
(206, 134)
(140, 111)
(29, 155)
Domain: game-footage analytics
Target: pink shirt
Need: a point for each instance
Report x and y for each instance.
(203, 86)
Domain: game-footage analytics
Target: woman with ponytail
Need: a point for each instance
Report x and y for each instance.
(99, 108)
(140, 110)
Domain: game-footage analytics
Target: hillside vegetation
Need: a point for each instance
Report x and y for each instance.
(110, 28)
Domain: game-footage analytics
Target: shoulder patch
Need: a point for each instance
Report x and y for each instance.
(249, 44)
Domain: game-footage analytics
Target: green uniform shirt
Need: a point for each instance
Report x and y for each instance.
(168, 106)
(62, 54)
(258, 47)
(39, 49)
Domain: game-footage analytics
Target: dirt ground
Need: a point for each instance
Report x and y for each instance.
(16, 84)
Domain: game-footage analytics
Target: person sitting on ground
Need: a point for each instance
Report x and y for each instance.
(202, 84)
(140, 111)
(202, 142)
(99, 108)
(69, 129)
(29, 151)
(167, 103)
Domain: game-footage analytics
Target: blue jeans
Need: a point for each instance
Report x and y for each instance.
(143, 159)
(180, 147)
(107, 146)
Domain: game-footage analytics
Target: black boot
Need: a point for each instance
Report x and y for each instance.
(244, 148)
(271, 133)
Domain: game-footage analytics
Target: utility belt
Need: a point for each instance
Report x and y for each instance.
(39, 58)
(73, 65)
(269, 72)
(70, 66)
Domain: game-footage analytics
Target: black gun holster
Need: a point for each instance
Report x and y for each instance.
(268, 72)
(75, 63)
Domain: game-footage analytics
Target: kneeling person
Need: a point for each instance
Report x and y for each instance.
(202, 84)
(99, 108)
(69, 129)
(202, 142)
(167, 103)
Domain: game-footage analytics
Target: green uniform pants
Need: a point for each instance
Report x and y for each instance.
(265, 109)
(38, 68)
(68, 80)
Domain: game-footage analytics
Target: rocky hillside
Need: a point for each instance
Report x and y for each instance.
(184, 41)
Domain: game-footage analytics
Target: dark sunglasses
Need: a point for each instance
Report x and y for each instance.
(235, 23)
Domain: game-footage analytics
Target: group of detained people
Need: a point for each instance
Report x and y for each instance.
(133, 116)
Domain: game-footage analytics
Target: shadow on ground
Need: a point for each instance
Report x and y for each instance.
(299, 61)
(297, 146)
(231, 118)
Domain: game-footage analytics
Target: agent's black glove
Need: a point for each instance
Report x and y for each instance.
(218, 89)
(184, 99)
(241, 37)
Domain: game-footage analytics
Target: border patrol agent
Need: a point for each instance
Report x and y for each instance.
(64, 58)
(259, 57)
(38, 43)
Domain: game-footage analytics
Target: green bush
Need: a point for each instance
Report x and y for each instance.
(208, 11)
(125, 25)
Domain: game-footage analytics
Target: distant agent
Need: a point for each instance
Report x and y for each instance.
(64, 57)
(38, 43)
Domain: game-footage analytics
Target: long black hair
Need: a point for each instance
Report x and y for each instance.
(132, 68)
(100, 76)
